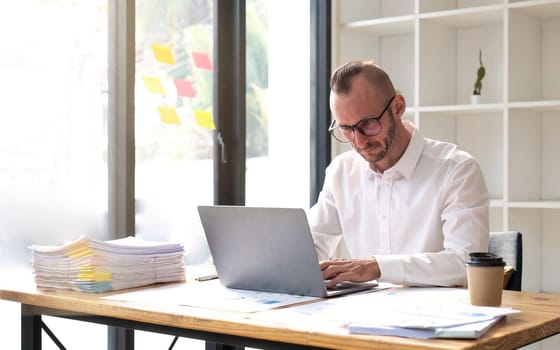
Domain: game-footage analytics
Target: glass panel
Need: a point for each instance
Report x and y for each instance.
(174, 169)
(53, 134)
(174, 166)
(278, 103)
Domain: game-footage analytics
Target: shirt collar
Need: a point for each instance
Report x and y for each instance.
(407, 163)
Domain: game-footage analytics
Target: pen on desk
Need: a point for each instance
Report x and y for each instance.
(206, 278)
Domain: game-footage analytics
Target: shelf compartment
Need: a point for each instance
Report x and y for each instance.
(534, 52)
(534, 165)
(448, 58)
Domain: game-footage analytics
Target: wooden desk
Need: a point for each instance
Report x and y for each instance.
(539, 319)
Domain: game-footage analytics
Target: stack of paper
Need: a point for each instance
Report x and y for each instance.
(463, 330)
(428, 317)
(90, 265)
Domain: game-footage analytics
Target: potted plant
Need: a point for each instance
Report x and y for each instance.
(478, 83)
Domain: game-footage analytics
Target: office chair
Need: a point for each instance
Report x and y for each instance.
(509, 245)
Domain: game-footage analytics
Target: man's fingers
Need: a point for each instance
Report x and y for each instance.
(337, 271)
(333, 270)
(326, 263)
(341, 273)
(336, 280)
(353, 271)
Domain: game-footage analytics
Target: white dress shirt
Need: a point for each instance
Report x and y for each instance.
(420, 218)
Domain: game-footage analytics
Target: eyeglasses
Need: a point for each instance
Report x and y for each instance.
(368, 127)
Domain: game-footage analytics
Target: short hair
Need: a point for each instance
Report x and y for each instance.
(341, 79)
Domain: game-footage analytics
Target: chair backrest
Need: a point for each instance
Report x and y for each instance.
(509, 245)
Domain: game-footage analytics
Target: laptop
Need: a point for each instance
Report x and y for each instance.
(267, 249)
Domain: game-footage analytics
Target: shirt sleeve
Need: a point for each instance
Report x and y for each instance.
(465, 229)
(324, 221)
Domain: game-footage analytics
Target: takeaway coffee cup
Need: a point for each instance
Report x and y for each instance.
(485, 278)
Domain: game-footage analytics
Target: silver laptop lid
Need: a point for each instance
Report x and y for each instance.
(264, 249)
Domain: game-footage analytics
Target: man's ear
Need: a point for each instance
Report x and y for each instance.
(399, 106)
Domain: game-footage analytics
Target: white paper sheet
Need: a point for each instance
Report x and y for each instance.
(211, 295)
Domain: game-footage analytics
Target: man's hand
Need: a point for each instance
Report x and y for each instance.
(352, 270)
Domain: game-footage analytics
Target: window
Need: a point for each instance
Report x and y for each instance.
(53, 133)
(55, 136)
(278, 103)
(173, 121)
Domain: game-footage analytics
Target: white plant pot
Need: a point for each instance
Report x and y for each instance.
(475, 99)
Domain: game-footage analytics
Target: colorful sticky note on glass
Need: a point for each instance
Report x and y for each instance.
(184, 88)
(163, 53)
(168, 115)
(201, 60)
(153, 84)
(204, 119)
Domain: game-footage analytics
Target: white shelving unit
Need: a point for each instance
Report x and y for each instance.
(430, 49)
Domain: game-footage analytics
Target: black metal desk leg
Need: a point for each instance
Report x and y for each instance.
(217, 346)
(120, 338)
(30, 329)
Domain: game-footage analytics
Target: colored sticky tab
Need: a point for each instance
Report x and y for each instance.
(78, 253)
(204, 119)
(201, 60)
(168, 115)
(184, 88)
(91, 273)
(163, 53)
(153, 84)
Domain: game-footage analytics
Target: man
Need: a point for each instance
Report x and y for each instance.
(409, 209)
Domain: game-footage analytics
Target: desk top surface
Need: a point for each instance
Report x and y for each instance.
(538, 319)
